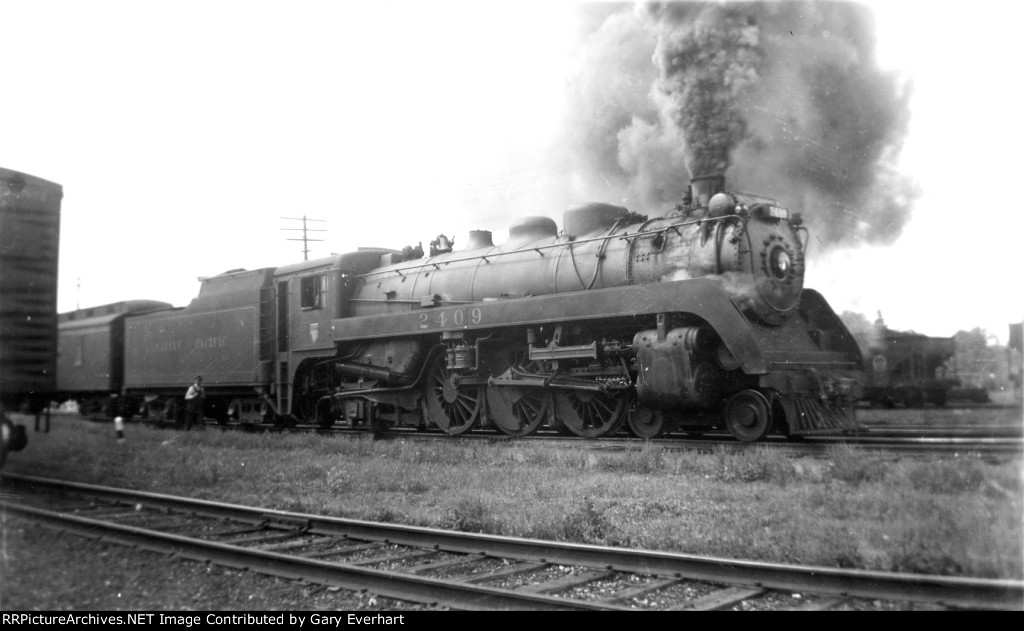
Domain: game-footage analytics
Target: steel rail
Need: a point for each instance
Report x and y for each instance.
(883, 431)
(923, 444)
(397, 585)
(717, 438)
(866, 441)
(869, 439)
(996, 439)
(945, 590)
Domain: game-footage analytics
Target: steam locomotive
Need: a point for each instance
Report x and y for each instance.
(691, 321)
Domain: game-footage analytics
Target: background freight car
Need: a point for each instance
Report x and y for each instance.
(29, 244)
(29, 249)
(90, 359)
(911, 369)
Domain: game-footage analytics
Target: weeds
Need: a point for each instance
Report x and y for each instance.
(758, 464)
(946, 478)
(854, 467)
(584, 522)
(852, 509)
(471, 514)
(650, 458)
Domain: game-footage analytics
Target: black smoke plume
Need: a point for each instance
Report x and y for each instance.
(786, 98)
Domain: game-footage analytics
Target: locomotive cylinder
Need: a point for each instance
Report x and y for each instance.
(677, 370)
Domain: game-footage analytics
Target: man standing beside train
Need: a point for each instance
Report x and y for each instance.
(194, 404)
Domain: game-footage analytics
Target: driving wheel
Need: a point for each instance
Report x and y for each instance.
(518, 411)
(453, 408)
(590, 414)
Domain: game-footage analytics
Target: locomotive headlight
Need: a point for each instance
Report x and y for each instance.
(779, 263)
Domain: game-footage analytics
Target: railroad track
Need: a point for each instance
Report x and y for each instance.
(816, 445)
(1004, 431)
(1006, 440)
(461, 570)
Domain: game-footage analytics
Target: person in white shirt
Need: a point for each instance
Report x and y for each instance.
(194, 404)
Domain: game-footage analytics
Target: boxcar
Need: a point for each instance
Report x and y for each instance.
(29, 249)
(29, 244)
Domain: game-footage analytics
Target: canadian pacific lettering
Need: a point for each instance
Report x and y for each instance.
(168, 346)
(220, 341)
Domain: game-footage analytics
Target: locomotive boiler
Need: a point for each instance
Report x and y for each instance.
(691, 321)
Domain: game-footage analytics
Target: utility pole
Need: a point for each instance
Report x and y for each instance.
(305, 230)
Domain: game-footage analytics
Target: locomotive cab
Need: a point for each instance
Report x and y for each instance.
(309, 296)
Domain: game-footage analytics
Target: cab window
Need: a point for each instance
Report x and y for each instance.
(311, 288)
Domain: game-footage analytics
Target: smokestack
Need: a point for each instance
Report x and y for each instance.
(704, 187)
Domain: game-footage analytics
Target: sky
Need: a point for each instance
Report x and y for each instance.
(188, 135)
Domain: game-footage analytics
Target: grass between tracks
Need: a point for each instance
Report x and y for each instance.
(955, 515)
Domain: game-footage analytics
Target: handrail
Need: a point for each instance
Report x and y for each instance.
(674, 227)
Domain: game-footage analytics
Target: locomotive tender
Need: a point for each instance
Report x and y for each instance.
(691, 321)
